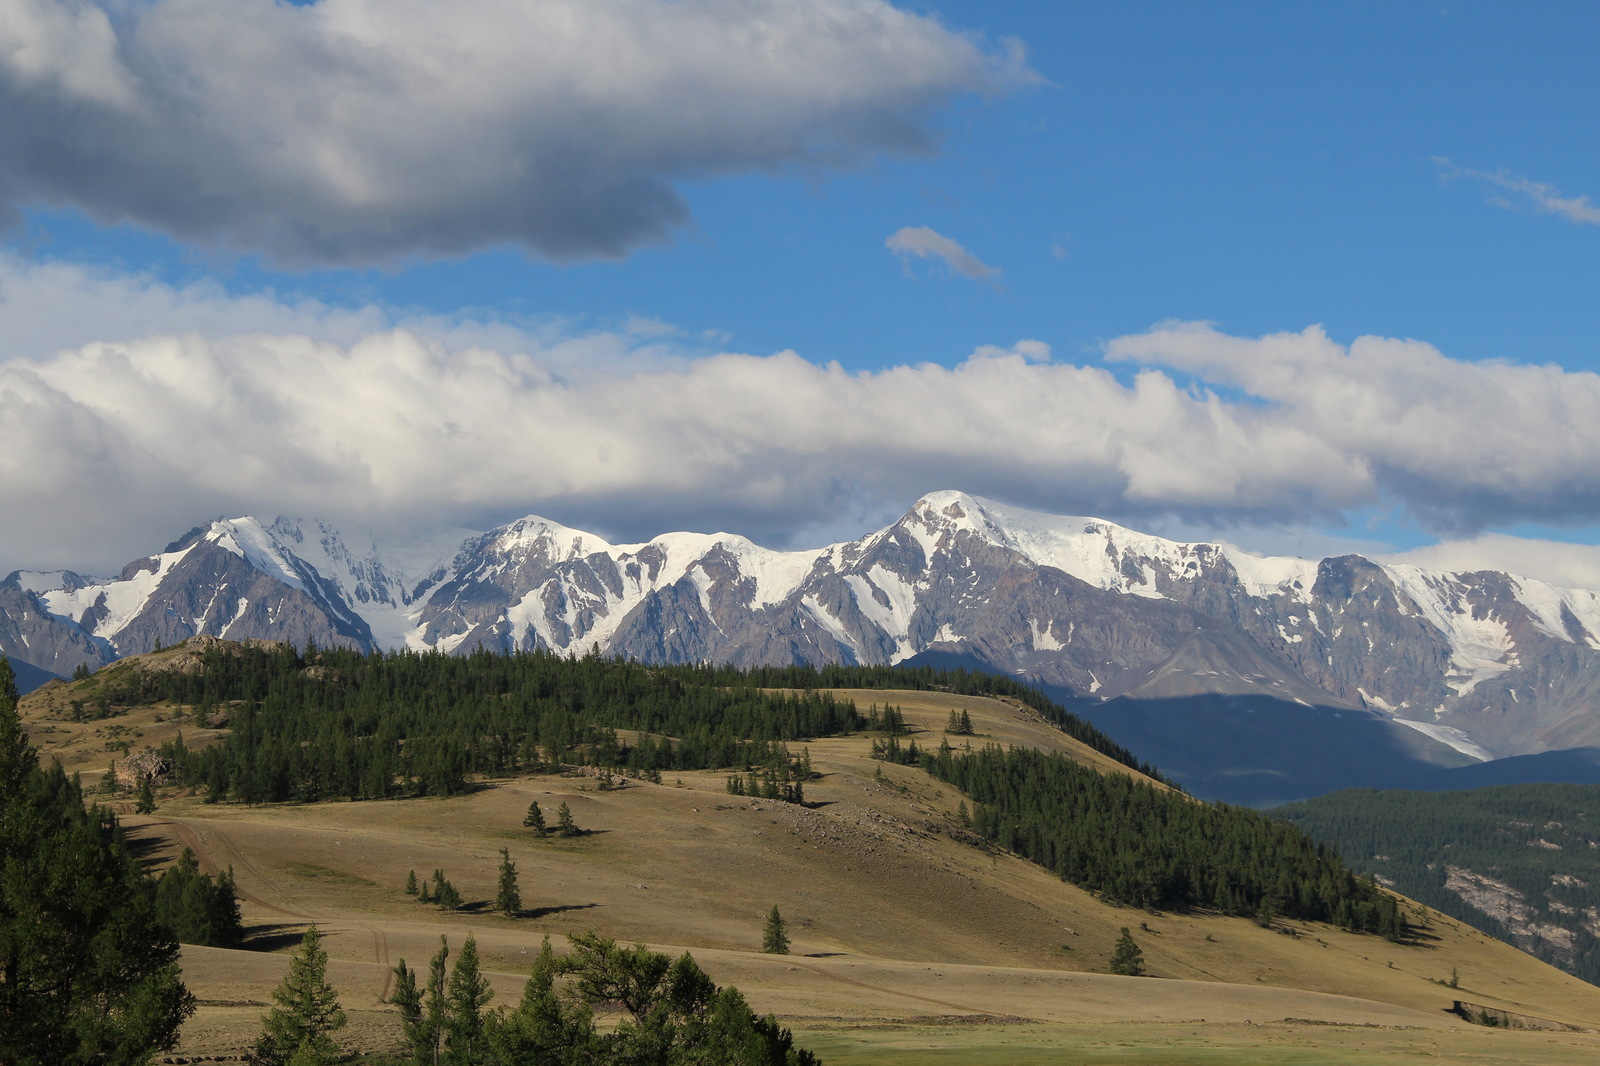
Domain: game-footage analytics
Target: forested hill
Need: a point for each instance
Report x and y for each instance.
(338, 724)
(1520, 862)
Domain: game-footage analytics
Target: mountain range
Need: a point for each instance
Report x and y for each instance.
(1247, 678)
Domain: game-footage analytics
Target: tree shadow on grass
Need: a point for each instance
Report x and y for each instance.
(540, 912)
(149, 848)
(273, 937)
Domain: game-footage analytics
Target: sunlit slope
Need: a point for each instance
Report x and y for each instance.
(893, 911)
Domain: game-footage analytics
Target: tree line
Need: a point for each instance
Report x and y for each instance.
(338, 724)
(1135, 843)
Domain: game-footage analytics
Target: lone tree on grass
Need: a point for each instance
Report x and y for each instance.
(507, 900)
(535, 819)
(146, 804)
(775, 940)
(1126, 958)
(565, 826)
(296, 1030)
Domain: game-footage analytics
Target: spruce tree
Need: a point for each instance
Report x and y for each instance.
(1126, 958)
(775, 939)
(469, 993)
(507, 900)
(147, 797)
(565, 826)
(535, 819)
(407, 998)
(297, 1029)
(425, 1033)
(88, 974)
(411, 883)
(542, 1028)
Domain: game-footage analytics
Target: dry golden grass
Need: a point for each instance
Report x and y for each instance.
(909, 945)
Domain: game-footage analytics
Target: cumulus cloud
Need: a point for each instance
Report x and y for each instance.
(362, 131)
(923, 242)
(46, 308)
(1461, 445)
(1539, 195)
(250, 406)
(1558, 562)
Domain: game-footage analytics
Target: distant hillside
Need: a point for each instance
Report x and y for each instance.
(29, 677)
(912, 924)
(340, 725)
(1521, 862)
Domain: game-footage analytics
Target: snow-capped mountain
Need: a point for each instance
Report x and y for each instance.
(1481, 664)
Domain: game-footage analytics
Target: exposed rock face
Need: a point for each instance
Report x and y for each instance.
(1521, 921)
(1487, 663)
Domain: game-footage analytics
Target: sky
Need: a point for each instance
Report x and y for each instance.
(1307, 277)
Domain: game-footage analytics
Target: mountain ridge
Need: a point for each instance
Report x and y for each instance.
(1478, 663)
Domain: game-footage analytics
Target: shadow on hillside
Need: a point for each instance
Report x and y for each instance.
(1419, 937)
(273, 937)
(1260, 751)
(540, 912)
(148, 847)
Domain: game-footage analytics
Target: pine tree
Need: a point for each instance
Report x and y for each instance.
(411, 883)
(535, 819)
(71, 904)
(147, 797)
(407, 998)
(445, 895)
(1126, 958)
(775, 940)
(565, 826)
(469, 993)
(297, 1029)
(507, 900)
(430, 1032)
(543, 1028)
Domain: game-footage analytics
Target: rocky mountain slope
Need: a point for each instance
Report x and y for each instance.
(1447, 667)
(1520, 862)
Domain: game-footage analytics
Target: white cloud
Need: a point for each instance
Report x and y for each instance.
(1543, 197)
(922, 242)
(1558, 562)
(46, 307)
(251, 405)
(361, 131)
(1461, 445)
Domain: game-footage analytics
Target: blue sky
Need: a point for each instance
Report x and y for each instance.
(214, 205)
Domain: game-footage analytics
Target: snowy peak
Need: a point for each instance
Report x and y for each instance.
(1076, 602)
(1106, 555)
